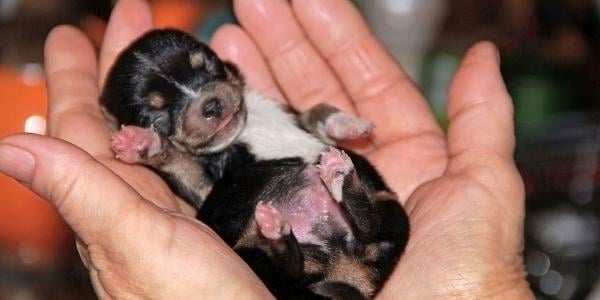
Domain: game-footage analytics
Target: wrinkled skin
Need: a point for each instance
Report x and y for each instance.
(461, 189)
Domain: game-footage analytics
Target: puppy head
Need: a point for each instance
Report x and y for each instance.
(212, 112)
(169, 81)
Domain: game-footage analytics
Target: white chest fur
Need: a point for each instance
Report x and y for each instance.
(272, 133)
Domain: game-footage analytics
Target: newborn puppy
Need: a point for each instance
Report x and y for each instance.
(311, 220)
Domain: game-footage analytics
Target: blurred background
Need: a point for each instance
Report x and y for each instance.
(550, 62)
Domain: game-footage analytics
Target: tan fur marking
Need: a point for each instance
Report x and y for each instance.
(372, 252)
(312, 266)
(156, 100)
(197, 60)
(249, 238)
(356, 184)
(187, 171)
(349, 270)
(233, 78)
(382, 196)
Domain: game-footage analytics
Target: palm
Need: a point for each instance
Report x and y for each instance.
(409, 162)
(133, 232)
(148, 184)
(451, 212)
(153, 244)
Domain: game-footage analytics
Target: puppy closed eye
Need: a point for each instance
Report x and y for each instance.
(156, 100)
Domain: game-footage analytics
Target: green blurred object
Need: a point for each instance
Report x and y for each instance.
(438, 69)
(359, 3)
(208, 27)
(541, 92)
(536, 98)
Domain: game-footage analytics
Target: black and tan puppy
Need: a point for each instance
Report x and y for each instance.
(311, 220)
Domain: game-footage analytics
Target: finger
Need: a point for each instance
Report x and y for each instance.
(73, 91)
(381, 91)
(129, 19)
(303, 76)
(83, 253)
(97, 285)
(233, 44)
(481, 137)
(93, 272)
(480, 109)
(68, 177)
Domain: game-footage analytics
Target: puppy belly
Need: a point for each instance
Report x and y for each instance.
(312, 213)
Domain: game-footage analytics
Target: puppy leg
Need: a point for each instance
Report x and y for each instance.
(134, 144)
(270, 222)
(346, 277)
(339, 176)
(392, 236)
(377, 219)
(330, 124)
(185, 176)
(282, 244)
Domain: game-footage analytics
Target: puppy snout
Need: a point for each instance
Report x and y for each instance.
(213, 108)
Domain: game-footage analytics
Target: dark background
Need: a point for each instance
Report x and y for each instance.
(550, 62)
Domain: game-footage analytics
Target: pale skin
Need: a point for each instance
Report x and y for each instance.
(461, 189)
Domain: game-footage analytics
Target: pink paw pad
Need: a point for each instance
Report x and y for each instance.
(335, 164)
(270, 222)
(342, 126)
(131, 143)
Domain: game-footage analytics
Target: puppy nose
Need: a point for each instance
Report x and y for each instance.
(213, 108)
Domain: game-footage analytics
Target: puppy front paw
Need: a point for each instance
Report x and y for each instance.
(134, 144)
(341, 126)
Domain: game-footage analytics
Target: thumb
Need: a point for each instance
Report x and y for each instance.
(92, 199)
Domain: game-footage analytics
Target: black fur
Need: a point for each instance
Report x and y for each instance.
(160, 61)
(229, 211)
(156, 59)
(230, 206)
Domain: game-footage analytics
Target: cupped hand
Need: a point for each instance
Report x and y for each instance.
(137, 239)
(461, 189)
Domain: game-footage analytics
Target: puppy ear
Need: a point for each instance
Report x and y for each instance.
(234, 75)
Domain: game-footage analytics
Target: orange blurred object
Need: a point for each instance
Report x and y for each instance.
(31, 232)
(181, 14)
(30, 228)
(94, 28)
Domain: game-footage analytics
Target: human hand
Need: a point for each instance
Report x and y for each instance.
(136, 238)
(461, 190)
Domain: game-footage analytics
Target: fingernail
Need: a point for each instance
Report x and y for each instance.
(17, 163)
